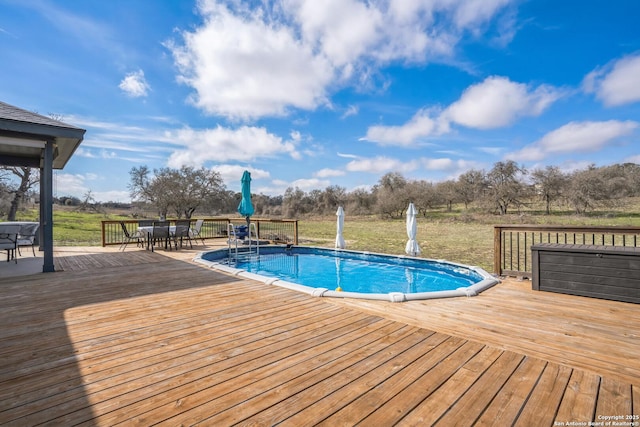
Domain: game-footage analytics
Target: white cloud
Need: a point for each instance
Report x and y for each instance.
(326, 173)
(231, 174)
(254, 59)
(616, 83)
(497, 102)
(421, 125)
(352, 110)
(437, 164)
(494, 151)
(473, 13)
(82, 152)
(135, 85)
(243, 67)
(378, 164)
(310, 184)
(382, 164)
(575, 137)
(633, 159)
(222, 144)
(112, 196)
(66, 184)
(342, 29)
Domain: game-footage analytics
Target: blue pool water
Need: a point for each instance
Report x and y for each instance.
(355, 274)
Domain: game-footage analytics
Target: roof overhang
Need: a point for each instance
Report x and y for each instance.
(23, 136)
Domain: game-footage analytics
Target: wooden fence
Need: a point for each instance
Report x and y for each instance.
(512, 243)
(277, 231)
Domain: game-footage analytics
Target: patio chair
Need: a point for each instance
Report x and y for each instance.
(160, 232)
(195, 230)
(27, 237)
(129, 237)
(9, 240)
(182, 232)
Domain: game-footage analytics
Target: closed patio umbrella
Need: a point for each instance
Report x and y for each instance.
(245, 208)
(340, 244)
(412, 247)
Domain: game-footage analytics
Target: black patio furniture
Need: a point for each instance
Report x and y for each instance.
(182, 232)
(160, 232)
(130, 237)
(9, 240)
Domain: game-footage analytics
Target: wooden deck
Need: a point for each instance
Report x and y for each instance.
(142, 338)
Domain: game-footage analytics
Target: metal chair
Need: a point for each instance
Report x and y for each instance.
(160, 232)
(128, 237)
(27, 237)
(182, 232)
(195, 230)
(9, 240)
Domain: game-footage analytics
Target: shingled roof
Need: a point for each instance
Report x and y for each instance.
(21, 132)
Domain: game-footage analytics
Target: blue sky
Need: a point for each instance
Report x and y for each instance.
(308, 93)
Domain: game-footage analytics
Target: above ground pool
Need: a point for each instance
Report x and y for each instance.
(351, 274)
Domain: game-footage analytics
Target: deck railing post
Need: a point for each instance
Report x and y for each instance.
(497, 250)
(104, 240)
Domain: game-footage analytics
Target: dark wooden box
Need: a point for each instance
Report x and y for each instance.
(608, 272)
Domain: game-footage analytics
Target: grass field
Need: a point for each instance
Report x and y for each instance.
(456, 236)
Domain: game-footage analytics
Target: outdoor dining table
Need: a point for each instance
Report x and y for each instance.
(147, 231)
(24, 225)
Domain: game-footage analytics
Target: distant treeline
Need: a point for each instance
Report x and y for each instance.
(506, 188)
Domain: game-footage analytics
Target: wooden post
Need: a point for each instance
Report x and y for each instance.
(295, 232)
(497, 250)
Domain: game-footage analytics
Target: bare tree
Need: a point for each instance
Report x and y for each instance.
(447, 193)
(332, 197)
(593, 187)
(391, 196)
(360, 202)
(423, 194)
(293, 203)
(505, 186)
(89, 203)
(183, 190)
(470, 186)
(28, 178)
(550, 184)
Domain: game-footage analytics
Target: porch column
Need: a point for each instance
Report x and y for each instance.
(46, 207)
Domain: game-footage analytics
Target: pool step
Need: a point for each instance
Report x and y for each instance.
(244, 255)
(240, 252)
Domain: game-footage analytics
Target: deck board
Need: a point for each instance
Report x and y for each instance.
(151, 338)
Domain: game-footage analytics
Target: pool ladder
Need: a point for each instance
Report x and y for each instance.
(237, 252)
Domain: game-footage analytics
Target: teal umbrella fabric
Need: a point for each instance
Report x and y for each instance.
(245, 208)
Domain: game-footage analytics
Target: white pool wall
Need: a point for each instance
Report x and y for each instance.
(487, 279)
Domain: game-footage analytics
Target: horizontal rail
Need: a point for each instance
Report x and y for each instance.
(512, 243)
(275, 230)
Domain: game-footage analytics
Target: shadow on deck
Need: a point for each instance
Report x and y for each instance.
(151, 337)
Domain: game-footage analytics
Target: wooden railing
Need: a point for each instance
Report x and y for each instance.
(277, 231)
(512, 243)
